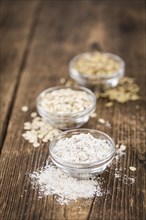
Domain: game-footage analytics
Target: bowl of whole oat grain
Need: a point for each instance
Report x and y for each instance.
(97, 69)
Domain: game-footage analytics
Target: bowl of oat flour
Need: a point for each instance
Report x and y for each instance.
(82, 152)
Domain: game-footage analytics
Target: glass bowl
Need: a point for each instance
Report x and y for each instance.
(82, 170)
(71, 120)
(100, 81)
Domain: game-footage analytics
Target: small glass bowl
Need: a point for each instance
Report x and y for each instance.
(99, 82)
(67, 121)
(82, 170)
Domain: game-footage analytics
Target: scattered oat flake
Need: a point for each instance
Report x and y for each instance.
(24, 108)
(127, 90)
(28, 127)
(120, 151)
(33, 114)
(117, 175)
(70, 83)
(36, 144)
(137, 107)
(132, 168)
(128, 180)
(109, 104)
(62, 80)
(38, 131)
(107, 124)
(101, 120)
(94, 115)
(104, 122)
(97, 95)
(122, 147)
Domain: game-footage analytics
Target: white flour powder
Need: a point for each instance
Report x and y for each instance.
(52, 181)
(82, 148)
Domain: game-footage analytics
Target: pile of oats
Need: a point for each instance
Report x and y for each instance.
(39, 130)
(96, 64)
(127, 90)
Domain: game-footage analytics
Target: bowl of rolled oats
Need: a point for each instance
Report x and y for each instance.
(66, 107)
(97, 69)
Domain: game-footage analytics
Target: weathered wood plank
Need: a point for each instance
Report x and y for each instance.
(65, 29)
(17, 29)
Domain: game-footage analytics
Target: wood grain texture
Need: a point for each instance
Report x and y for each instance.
(17, 28)
(63, 30)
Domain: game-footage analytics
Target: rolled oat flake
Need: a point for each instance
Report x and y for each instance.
(65, 101)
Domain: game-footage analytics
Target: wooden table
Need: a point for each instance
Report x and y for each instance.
(38, 40)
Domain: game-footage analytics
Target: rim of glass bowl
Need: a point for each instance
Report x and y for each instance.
(119, 72)
(68, 115)
(81, 165)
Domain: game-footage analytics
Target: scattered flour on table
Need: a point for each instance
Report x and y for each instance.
(120, 151)
(52, 181)
(128, 180)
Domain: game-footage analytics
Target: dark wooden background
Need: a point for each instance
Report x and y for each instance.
(38, 38)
